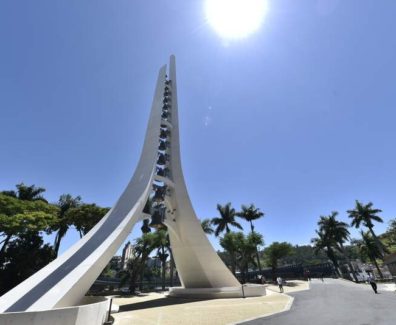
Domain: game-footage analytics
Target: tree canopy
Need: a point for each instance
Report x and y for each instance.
(226, 219)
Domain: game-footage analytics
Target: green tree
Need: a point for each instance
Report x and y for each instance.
(27, 193)
(24, 256)
(206, 225)
(337, 233)
(241, 250)
(142, 249)
(18, 217)
(275, 252)
(172, 260)
(65, 203)
(324, 243)
(226, 219)
(250, 213)
(30, 193)
(9, 193)
(84, 217)
(247, 249)
(365, 214)
(231, 243)
(368, 247)
(163, 248)
(390, 233)
(305, 255)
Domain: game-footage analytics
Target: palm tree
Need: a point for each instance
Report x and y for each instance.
(365, 214)
(162, 244)
(65, 203)
(206, 225)
(142, 249)
(338, 233)
(250, 213)
(323, 243)
(368, 247)
(172, 261)
(27, 193)
(227, 219)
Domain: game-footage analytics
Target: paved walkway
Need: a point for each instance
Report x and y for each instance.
(337, 302)
(157, 309)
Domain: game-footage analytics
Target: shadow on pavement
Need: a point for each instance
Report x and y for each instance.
(291, 284)
(160, 302)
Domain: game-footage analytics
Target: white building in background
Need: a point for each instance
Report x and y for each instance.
(127, 253)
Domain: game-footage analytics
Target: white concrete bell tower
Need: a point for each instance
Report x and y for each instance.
(159, 176)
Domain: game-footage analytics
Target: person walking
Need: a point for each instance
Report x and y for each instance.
(279, 280)
(371, 280)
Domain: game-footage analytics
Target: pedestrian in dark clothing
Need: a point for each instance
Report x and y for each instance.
(371, 280)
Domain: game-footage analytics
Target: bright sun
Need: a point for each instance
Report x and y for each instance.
(235, 18)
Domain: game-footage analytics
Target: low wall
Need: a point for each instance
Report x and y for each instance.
(246, 290)
(93, 310)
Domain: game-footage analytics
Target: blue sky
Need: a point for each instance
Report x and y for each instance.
(297, 118)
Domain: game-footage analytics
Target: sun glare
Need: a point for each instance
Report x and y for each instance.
(234, 19)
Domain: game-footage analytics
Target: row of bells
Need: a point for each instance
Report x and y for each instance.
(166, 101)
(158, 215)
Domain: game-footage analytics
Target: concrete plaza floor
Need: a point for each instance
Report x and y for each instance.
(156, 308)
(338, 302)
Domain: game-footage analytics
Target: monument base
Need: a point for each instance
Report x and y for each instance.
(90, 311)
(243, 291)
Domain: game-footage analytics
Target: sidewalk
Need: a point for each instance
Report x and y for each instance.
(155, 308)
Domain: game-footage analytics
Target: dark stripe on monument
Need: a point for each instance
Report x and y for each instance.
(57, 275)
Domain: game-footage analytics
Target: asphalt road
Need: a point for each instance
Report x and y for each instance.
(336, 302)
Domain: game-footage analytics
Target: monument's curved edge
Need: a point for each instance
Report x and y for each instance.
(65, 281)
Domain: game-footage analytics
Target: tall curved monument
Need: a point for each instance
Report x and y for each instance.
(158, 176)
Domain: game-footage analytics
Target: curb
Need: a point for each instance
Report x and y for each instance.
(287, 307)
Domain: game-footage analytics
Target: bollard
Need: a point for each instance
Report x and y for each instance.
(108, 316)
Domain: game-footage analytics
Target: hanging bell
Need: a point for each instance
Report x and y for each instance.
(157, 219)
(164, 172)
(159, 194)
(158, 197)
(161, 159)
(164, 115)
(163, 145)
(161, 172)
(164, 133)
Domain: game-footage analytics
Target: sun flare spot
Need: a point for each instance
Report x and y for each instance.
(233, 19)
